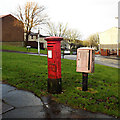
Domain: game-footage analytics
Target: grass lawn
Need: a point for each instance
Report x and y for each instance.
(30, 73)
(23, 49)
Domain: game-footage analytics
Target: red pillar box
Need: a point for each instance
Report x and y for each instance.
(54, 64)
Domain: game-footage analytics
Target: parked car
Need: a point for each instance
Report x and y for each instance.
(67, 52)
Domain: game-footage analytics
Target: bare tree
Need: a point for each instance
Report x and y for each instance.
(61, 30)
(72, 35)
(74, 38)
(57, 30)
(85, 43)
(32, 15)
(93, 40)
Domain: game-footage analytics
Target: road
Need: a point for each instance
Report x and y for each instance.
(102, 60)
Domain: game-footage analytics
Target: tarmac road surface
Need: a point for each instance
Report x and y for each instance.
(102, 60)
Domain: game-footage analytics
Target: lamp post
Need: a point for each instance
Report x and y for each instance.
(38, 42)
(118, 37)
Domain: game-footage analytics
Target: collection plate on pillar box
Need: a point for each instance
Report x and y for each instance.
(49, 53)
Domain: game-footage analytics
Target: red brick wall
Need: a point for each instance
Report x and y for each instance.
(12, 29)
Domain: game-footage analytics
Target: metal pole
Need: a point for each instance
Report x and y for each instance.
(118, 33)
(84, 81)
(117, 47)
(38, 43)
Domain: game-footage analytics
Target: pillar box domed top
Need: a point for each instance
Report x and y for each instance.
(53, 38)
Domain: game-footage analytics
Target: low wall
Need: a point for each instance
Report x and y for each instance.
(105, 52)
(20, 44)
(33, 44)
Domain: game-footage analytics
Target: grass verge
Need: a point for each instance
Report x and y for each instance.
(30, 73)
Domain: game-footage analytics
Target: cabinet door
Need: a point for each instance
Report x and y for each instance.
(83, 61)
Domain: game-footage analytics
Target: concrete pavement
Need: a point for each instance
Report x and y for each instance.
(23, 104)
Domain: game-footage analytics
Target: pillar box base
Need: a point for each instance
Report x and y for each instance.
(55, 86)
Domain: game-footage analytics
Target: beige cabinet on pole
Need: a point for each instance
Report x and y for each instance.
(85, 60)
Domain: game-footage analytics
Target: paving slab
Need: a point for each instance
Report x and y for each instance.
(40, 112)
(24, 104)
(0, 117)
(26, 112)
(0, 107)
(6, 108)
(5, 89)
(61, 111)
(21, 98)
(57, 110)
(0, 91)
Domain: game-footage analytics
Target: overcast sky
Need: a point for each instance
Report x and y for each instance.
(87, 16)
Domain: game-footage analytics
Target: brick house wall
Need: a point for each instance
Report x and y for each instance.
(12, 30)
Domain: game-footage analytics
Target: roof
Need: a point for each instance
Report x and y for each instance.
(35, 34)
(109, 29)
(1, 16)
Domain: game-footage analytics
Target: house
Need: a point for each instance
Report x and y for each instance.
(71, 44)
(33, 40)
(12, 31)
(65, 45)
(109, 40)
